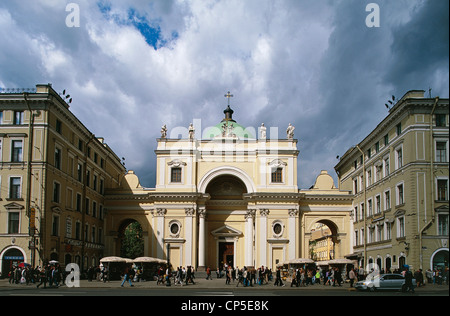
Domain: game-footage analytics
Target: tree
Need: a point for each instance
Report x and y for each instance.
(132, 242)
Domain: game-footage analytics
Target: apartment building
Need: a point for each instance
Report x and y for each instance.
(399, 177)
(53, 175)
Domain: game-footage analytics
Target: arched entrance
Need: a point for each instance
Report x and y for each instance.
(439, 259)
(324, 243)
(130, 243)
(225, 219)
(11, 257)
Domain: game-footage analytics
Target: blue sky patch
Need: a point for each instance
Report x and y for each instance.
(149, 29)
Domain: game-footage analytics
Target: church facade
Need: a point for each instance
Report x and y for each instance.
(228, 197)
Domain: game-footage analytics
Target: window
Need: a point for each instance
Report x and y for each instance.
(355, 186)
(369, 208)
(14, 188)
(56, 192)
(377, 147)
(80, 172)
(386, 166)
(58, 126)
(362, 211)
(441, 151)
(78, 203)
(78, 231)
(380, 232)
(68, 227)
(18, 118)
(100, 235)
(355, 217)
(88, 178)
(386, 140)
(401, 227)
(277, 175)
(17, 151)
(13, 222)
(443, 224)
(387, 200)
(399, 157)
(369, 177)
(93, 234)
(378, 172)
(57, 158)
(175, 175)
(400, 197)
(94, 209)
(87, 206)
(398, 129)
(442, 190)
(94, 182)
(388, 231)
(55, 225)
(441, 120)
(378, 204)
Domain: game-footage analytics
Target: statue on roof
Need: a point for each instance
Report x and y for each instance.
(290, 131)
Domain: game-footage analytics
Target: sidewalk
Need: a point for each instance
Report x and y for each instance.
(218, 284)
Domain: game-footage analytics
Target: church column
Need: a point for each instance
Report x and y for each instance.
(293, 217)
(189, 235)
(160, 214)
(263, 236)
(249, 238)
(201, 237)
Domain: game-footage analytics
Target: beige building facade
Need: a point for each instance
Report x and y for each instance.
(53, 175)
(227, 197)
(399, 178)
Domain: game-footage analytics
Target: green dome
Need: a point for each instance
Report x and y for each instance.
(232, 130)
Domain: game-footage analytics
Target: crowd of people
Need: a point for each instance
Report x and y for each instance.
(50, 275)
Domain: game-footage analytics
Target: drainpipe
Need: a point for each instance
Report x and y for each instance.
(364, 213)
(31, 230)
(84, 197)
(427, 225)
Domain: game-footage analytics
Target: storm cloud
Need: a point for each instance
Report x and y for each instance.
(133, 66)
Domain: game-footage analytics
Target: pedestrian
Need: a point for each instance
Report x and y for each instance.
(352, 276)
(409, 286)
(228, 275)
(189, 275)
(240, 278)
(43, 274)
(245, 276)
(278, 281)
(208, 273)
(127, 276)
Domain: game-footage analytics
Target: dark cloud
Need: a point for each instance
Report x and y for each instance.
(314, 64)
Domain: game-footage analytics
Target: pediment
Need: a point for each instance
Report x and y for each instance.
(14, 206)
(441, 209)
(226, 231)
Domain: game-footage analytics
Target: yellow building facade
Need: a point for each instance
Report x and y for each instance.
(53, 176)
(227, 197)
(399, 178)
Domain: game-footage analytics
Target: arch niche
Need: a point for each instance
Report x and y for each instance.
(225, 216)
(324, 229)
(124, 231)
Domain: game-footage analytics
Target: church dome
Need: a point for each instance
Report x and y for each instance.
(232, 130)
